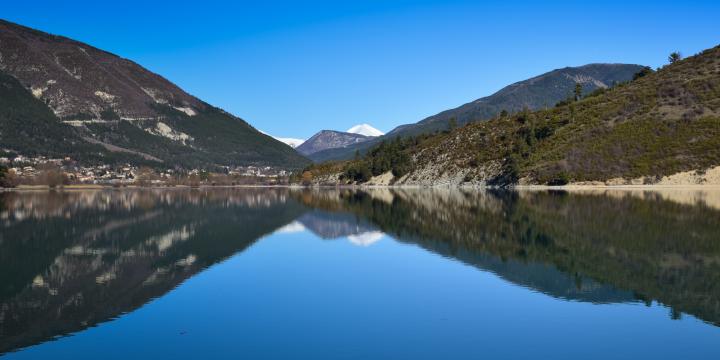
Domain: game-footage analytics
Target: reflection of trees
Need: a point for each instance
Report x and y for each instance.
(564, 244)
(69, 260)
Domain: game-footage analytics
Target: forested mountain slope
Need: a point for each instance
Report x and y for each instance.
(104, 100)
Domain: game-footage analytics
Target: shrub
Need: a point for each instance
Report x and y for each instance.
(560, 179)
(642, 73)
(307, 177)
(7, 178)
(543, 132)
(358, 172)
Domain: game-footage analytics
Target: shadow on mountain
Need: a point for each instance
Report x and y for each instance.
(71, 260)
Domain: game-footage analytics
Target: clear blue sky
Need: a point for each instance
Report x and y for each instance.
(293, 68)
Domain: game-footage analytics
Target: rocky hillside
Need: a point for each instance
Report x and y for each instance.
(660, 124)
(540, 92)
(330, 139)
(26, 122)
(116, 104)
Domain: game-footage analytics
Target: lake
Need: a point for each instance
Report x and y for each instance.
(344, 274)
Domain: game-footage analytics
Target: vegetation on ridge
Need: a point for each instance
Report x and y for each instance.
(539, 92)
(661, 123)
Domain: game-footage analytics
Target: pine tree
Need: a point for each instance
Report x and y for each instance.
(578, 91)
(674, 57)
(452, 124)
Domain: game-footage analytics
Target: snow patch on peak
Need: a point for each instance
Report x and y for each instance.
(365, 129)
(292, 142)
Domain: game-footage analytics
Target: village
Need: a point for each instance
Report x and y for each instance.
(22, 170)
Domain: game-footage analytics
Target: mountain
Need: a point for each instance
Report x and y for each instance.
(327, 140)
(365, 129)
(293, 143)
(542, 91)
(330, 139)
(539, 92)
(111, 109)
(663, 127)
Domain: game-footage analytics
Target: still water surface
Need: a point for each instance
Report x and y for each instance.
(334, 274)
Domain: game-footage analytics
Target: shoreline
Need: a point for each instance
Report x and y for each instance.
(569, 187)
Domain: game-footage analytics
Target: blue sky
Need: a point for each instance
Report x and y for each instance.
(293, 68)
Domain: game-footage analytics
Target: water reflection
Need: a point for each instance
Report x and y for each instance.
(71, 260)
(597, 246)
(335, 225)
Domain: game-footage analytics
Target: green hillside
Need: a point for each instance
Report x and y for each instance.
(659, 124)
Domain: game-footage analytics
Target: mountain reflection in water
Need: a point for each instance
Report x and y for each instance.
(72, 260)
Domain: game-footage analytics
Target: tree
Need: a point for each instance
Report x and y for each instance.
(578, 91)
(674, 57)
(307, 177)
(3, 175)
(145, 176)
(503, 113)
(358, 172)
(8, 178)
(51, 176)
(561, 178)
(643, 72)
(452, 124)
(204, 175)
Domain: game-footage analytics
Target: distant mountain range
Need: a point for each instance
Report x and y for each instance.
(62, 97)
(331, 139)
(539, 92)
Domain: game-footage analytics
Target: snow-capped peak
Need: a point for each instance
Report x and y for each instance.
(290, 141)
(365, 129)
